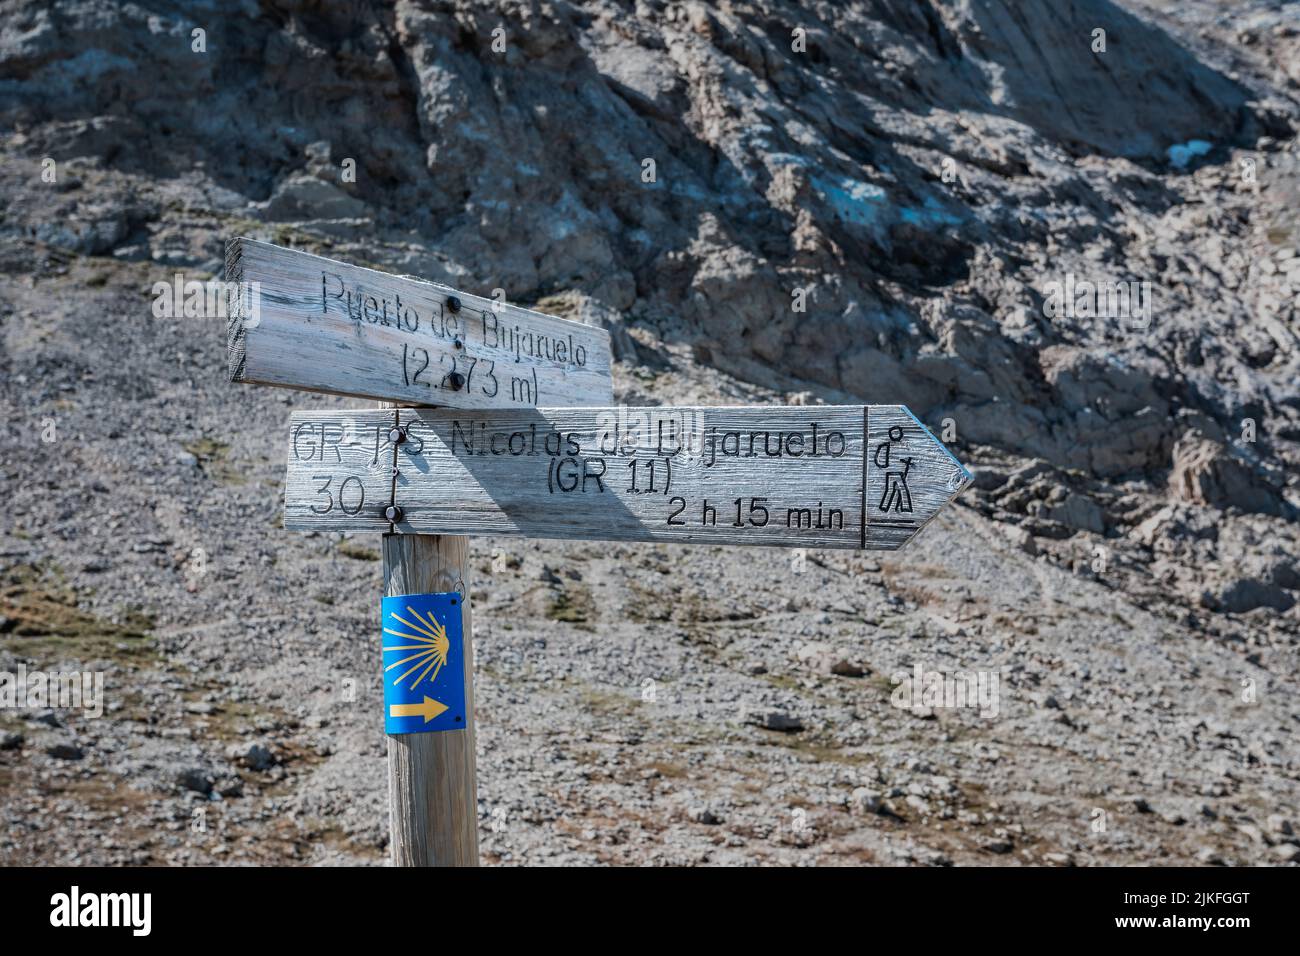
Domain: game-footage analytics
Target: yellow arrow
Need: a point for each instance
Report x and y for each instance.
(428, 710)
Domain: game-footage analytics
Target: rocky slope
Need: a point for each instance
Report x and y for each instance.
(764, 202)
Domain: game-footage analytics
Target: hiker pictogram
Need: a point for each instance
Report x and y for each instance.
(897, 496)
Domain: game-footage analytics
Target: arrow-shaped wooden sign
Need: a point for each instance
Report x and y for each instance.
(325, 326)
(807, 476)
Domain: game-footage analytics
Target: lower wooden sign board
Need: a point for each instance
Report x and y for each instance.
(821, 476)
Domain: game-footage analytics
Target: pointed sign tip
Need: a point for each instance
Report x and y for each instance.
(961, 476)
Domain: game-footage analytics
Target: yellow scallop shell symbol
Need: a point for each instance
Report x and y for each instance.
(430, 644)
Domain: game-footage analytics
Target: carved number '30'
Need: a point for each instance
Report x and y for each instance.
(344, 493)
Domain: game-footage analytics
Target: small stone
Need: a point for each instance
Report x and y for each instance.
(998, 846)
(865, 800)
(65, 751)
(843, 668)
(10, 741)
(1286, 852)
(196, 779)
(1252, 831)
(1218, 727)
(253, 756)
(1021, 540)
(1279, 824)
(774, 720)
(704, 815)
(1209, 856)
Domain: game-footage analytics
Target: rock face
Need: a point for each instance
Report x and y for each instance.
(1064, 234)
(869, 200)
(1206, 473)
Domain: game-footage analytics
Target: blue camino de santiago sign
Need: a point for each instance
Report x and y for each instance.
(424, 663)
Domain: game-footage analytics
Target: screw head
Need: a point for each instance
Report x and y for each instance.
(396, 436)
(393, 513)
(456, 381)
(453, 303)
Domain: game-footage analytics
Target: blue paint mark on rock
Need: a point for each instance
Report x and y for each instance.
(853, 200)
(931, 213)
(1180, 154)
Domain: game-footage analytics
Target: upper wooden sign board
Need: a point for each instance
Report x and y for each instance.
(326, 326)
(807, 476)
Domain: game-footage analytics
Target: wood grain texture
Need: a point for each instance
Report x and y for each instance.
(327, 326)
(340, 475)
(432, 783)
(803, 476)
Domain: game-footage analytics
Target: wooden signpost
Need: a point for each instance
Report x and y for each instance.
(821, 476)
(525, 441)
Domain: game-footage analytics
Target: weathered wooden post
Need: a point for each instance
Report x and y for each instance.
(432, 783)
(508, 452)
